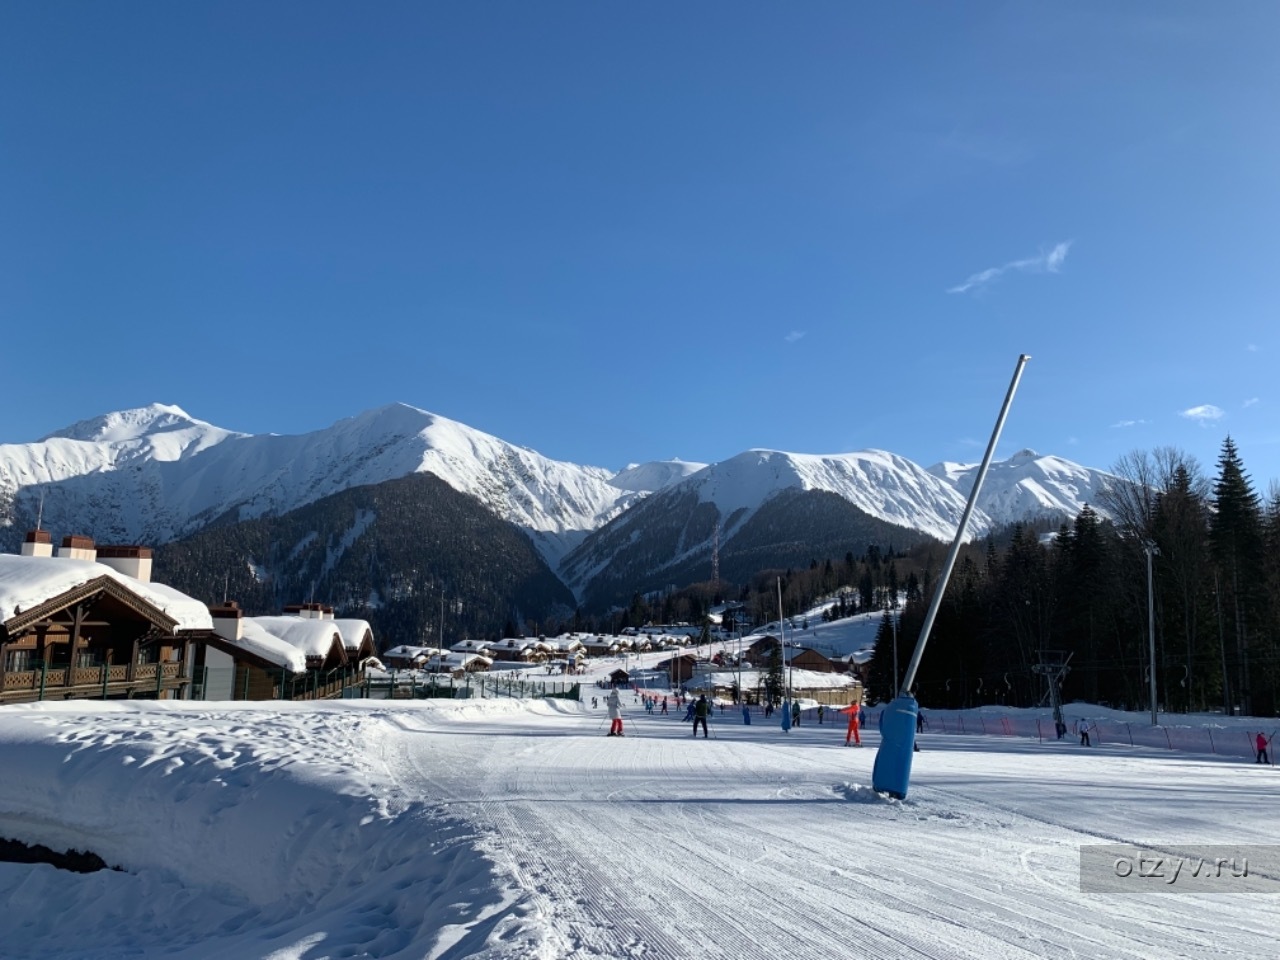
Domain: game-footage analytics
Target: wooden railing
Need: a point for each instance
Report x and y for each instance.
(116, 676)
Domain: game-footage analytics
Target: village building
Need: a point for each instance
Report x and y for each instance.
(90, 623)
(458, 665)
(302, 655)
(404, 657)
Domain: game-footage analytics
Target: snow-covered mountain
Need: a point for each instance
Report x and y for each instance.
(1028, 485)
(155, 473)
(677, 524)
(656, 475)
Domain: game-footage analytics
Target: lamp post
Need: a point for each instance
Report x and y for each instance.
(1151, 551)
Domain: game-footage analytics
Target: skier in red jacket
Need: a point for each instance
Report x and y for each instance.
(853, 711)
(1263, 743)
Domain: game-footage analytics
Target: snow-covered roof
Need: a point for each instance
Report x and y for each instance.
(256, 639)
(404, 650)
(314, 638)
(353, 631)
(460, 659)
(27, 582)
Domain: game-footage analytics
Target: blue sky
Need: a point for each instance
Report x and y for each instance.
(621, 232)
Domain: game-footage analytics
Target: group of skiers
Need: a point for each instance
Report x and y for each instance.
(699, 710)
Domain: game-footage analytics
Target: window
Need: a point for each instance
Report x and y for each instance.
(19, 661)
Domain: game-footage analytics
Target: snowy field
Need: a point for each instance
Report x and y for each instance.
(508, 828)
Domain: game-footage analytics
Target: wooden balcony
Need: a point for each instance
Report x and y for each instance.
(91, 683)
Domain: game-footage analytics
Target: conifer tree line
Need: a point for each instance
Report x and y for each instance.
(1214, 550)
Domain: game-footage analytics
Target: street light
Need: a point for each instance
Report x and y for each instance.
(1151, 550)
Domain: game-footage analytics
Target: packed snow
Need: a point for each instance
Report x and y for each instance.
(510, 828)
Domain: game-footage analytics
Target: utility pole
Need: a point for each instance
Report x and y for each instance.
(1151, 550)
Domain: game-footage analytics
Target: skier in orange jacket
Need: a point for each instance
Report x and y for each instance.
(852, 733)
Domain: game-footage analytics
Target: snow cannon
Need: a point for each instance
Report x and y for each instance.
(892, 771)
(786, 715)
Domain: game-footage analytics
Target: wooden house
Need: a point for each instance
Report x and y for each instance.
(89, 623)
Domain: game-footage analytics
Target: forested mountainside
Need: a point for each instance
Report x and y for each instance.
(388, 552)
(669, 542)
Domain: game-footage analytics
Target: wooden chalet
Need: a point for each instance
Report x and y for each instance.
(88, 623)
(357, 639)
(808, 659)
(680, 668)
(760, 650)
(297, 656)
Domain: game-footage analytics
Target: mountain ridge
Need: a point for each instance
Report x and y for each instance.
(154, 474)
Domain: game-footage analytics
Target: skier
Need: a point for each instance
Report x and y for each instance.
(919, 722)
(614, 702)
(700, 710)
(1263, 742)
(795, 713)
(854, 712)
(820, 709)
(664, 706)
(688, 714)
(768, 710)
(1082, 728)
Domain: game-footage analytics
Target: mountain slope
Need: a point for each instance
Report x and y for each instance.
(153, 474)
(1028, 485)
(671, 530)
(386, 553)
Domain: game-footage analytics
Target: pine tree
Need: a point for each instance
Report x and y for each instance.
(1235, 535)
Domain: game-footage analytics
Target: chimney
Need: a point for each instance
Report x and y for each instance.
(38, 543)
(78, 548)
(295, 610)
(227, 621)
(132, 561)
(326, 613)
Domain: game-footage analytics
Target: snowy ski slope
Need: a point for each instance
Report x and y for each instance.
(504, 829)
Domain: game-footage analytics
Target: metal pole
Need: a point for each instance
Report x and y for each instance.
(945, 576)
(1151, 550)
(782, 639)
(894, 622)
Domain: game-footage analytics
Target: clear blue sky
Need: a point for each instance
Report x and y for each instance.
(621, 232)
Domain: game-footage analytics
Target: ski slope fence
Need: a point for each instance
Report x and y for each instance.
(1229, 741)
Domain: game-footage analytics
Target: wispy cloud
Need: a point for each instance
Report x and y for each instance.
(1073, 441)
(1123, 424)
(1204, 413)
(1251, 401)
(794, 335)
(1050, 262)
(1252, 348)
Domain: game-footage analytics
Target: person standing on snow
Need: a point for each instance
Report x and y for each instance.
(795, 713)
(700, 711)
(1082, 728)
(614, 703)
(1263, 743)
(820, 712)
(855, 715)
